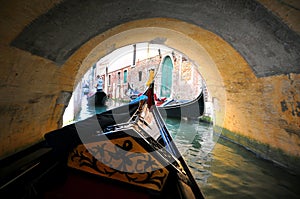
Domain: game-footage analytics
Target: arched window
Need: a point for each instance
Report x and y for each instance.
(166, 77)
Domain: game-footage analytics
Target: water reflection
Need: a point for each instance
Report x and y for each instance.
(238, 173)
(221, 168)
(226, 170)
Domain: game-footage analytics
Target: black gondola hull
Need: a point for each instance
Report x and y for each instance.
(192, 109)
(97, 99)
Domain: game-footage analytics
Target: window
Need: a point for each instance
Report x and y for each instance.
(125, 76)
(109, 80)
(140, 75)
(119, 77)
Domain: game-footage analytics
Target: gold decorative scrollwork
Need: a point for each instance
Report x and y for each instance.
(120, 159)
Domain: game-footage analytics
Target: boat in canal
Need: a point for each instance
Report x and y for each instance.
(132, 93)
(124, 152)
(191, 109)
(98, 98)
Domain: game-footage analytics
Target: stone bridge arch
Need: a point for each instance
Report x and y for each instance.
(248, 57)
(242, 100)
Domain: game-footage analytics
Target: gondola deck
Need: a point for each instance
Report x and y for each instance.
(126, 152)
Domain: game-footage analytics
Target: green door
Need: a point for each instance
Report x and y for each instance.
(166, 78)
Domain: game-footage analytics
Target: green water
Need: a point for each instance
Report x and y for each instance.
(221, 168)
(226, 170)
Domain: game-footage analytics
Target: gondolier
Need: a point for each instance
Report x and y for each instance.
(99, 85)
(99, 97)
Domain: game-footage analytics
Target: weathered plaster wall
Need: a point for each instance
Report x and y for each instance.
(29, 90)
(249, 60)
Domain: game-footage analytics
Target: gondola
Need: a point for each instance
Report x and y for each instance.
(125, 152)
(132, 93)
(192, 109)
(98, 98)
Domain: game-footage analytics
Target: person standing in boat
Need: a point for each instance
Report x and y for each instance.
(99, 83)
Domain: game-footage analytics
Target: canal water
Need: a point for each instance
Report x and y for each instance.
(221, 168)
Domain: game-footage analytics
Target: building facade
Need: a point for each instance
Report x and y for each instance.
(175, 77)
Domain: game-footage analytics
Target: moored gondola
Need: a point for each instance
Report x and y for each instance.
(192, 109)
(98, 98)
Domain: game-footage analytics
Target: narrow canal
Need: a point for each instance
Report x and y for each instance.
(221, 168)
